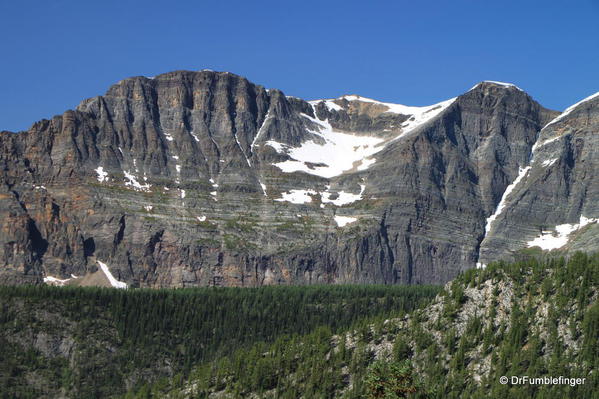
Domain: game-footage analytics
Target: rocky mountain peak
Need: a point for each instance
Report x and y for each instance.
(487, 84)
(204, 178)
(553, 203)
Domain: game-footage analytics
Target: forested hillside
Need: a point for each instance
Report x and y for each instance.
(98, 342)
(530, 318)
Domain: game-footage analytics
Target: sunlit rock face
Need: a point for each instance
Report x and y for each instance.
(204, 178)
(555, 205)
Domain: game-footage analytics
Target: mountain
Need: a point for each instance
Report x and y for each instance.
(204, 178)
(556, 201)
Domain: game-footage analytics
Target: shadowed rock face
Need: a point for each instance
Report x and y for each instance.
(203, 178)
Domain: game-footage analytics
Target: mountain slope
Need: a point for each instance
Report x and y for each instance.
(97, 342)
(523, 319)
(555, 204)
(204, 178)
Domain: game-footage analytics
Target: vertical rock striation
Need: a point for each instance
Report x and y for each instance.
(204, 178)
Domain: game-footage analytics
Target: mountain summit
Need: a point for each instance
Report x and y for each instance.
(204, 178)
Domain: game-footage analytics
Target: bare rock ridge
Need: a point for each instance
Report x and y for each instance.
(204, 178)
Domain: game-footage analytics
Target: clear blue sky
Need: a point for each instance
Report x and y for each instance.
(56, 53)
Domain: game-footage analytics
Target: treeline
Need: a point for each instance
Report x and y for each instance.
(457, 349)
(123, 337)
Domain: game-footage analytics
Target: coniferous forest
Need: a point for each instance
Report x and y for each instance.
(530, 318)
(98, 342)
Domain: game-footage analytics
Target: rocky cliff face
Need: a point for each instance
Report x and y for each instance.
(203, 178)
(555, 203)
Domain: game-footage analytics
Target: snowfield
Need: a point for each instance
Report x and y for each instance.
(549, 240)
(113, 281)
(337, 155)
(341, 152)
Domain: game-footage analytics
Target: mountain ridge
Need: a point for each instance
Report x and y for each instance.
(204, 178)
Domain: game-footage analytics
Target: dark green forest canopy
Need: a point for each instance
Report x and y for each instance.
(119, 338)
(529, 318)
(532, 317)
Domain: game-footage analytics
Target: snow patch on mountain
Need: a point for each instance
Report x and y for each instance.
(560, 236)
(539, 143)
(571, 108)
(279, 147)
(366, 163)
(549, 162)
(341, 152)
(420, 115)
(241, 149)
(102, 175)
(343, 197)
(261, 129)
(506, 193)
(113, 281)
(297, 196)
(305, 196)
(344, 220)
(132, 182)
(337, 155)
(329, 103)
(56, 281)
(504, 84)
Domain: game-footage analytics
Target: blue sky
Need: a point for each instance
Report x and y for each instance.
(56, 53)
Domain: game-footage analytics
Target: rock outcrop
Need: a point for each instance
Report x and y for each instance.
(555, 204)
(204, 178)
